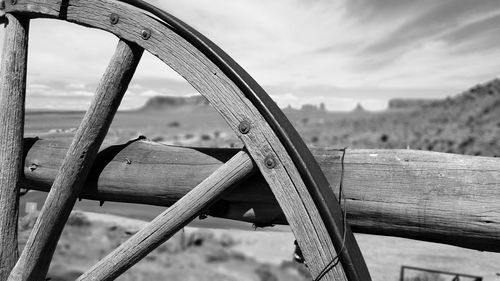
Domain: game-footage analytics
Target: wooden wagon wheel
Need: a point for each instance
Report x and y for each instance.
(271, 144)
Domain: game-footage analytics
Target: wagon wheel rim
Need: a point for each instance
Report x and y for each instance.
(271, 141)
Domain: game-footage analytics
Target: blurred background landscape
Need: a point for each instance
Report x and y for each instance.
(466, 123)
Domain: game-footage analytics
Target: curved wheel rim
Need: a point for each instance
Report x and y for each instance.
(234, 79)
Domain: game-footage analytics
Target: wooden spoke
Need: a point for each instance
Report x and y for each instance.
(35, 259)
(173, 219)
(12, 96)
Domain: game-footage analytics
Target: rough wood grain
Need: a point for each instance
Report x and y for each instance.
(440, 197)
(37, 254)
(284, 179)
(12, 96)
(173, 219)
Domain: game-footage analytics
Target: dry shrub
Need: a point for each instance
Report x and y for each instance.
(78, 219)
(206, 137)
(265, 273)
(174, 124)
(301, 268)
(27, 222)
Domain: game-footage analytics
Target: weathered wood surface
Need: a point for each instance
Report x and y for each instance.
(12, 96)
(173, 219)
(208, 79)
(35, 259)
(447, 198)
(228, 99)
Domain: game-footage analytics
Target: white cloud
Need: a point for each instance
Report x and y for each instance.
(38, 87)
(76, 86)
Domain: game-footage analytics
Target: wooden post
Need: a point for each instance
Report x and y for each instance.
(174, 218)
(37, 254)
(12, 96)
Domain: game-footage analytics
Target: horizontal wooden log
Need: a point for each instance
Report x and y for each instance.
(430, 196)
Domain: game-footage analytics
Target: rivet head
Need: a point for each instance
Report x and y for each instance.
(113, 18)
(33, 167)
(270, 162)
(145, 34)
(13, 2)
(244, 127)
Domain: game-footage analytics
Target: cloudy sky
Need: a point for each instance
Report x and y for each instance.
(339, 52)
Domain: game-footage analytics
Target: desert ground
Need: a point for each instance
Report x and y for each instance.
(216, 249)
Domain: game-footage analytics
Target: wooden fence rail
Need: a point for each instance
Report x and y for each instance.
(430, 196)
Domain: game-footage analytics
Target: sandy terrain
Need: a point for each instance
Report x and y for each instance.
(225, 254)
(384, 255)
(192, 254)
